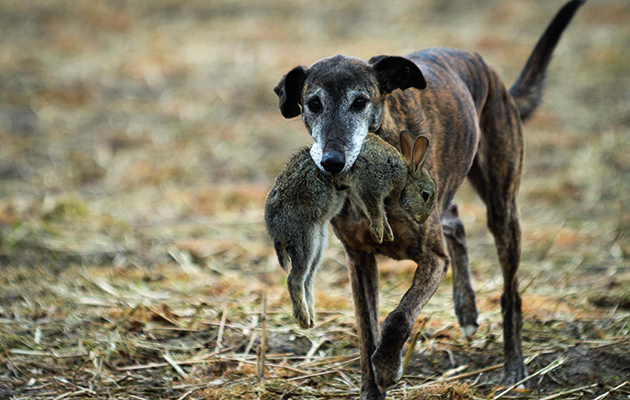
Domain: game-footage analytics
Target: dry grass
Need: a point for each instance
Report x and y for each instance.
(139, 140)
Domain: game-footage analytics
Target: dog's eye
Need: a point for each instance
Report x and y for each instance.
(359, 103)
(314, 105)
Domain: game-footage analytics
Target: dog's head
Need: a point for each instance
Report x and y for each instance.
(341, 100)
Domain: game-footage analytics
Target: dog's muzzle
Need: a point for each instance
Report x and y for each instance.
(333, 162)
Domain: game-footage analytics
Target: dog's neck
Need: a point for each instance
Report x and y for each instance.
(395, 119)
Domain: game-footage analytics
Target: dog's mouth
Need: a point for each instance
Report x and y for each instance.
(335, 157)
(330, 161)
(333, 162)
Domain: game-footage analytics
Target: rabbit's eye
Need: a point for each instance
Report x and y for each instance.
(359, 103)
(426, 195)
(315, 105)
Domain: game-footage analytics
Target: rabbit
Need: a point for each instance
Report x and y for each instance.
(304, 199)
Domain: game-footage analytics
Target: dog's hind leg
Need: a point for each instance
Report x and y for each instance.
(463, 292)
(495, 175)
(503, 221)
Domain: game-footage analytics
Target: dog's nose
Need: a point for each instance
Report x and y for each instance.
(333, 162)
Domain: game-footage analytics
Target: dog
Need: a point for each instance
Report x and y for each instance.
(474, 123)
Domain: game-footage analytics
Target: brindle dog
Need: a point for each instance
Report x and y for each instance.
(475, 126)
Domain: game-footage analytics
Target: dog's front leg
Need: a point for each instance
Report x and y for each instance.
(364, 281)
(396, 329)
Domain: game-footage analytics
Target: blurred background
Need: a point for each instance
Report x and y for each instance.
(139, 140)
(146, 112)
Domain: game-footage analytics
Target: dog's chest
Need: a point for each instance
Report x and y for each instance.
(410, 239)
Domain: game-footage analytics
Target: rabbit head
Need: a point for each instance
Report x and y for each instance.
(419, 194)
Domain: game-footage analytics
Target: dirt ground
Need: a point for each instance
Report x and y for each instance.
(139, 140)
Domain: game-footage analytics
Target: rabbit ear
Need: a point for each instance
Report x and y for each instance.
(405, 145)
(420, 150)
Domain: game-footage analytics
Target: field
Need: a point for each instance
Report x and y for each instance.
(139, 140)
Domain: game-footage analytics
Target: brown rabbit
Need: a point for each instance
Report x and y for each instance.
(304, 199)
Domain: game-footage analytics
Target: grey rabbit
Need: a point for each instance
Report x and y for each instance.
(381, 172)
(297, 214)
(304, 199)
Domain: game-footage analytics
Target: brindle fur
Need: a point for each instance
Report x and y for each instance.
(474, 124)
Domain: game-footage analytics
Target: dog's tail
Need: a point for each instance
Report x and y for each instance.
(528, 89)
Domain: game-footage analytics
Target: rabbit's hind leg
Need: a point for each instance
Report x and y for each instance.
(320, 240)
(296, 281)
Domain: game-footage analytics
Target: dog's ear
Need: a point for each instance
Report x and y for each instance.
(288, 90)
(397, 73)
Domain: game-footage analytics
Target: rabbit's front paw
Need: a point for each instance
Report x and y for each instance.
(376, 231)
(389, 234)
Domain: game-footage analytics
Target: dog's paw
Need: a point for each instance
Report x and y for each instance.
(369, 391)
(513, 373)
(387, 369)
(469, 331)
(467, 318)
(466, 311)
